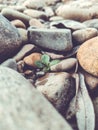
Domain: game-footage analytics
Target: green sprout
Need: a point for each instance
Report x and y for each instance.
(45, 63)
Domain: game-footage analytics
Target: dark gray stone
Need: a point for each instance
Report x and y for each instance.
(52, 39)
(24, 108)
(10, 40)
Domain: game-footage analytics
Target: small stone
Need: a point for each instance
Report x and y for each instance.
(35, 13)
(12, 14)
(18, 23)
(87, 56)
(10, 63)
(23, 34)
(58, 88)
(54, 55)
(24, 50)
(83, 35)
(49, 11)
(92, 23)
(91, 81)
(64, 65)
(69, 24)
(51, 39)
(56, 18)
(36, 23)
(32, 58)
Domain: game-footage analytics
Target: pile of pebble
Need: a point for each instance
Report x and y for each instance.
(44, 40)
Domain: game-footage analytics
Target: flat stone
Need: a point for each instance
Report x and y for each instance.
(58, 88)
(22, 107)
(51, 39)
(10, 40)
(88, 56)
(36, 23)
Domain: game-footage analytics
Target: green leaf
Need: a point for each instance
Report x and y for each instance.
(39, 64)
(45, 59)
(46, 69)
(54, 62)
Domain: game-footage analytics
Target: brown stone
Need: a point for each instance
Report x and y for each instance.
(88, 56)
(18, 23)
(32, 58)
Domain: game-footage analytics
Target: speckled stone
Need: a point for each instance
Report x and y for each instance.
(88, 56)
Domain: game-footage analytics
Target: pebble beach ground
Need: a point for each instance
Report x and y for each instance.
(49, 64)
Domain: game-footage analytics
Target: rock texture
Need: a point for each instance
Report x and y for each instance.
(88, 56)
(53, 39)
(23, 108)
(10, 40)
(58, 88)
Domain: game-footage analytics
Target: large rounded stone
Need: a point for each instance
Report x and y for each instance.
(10, 40)
(24, 108)
(88, 56)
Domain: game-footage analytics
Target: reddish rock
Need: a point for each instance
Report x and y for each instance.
(18, 23)
(32, 58)
(88, 56)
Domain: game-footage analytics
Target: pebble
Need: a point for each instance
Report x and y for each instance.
(35, 13)
(18, 23)
(92, 23)
(69, 24)
(57, 88)
(83, 35)
(23, 34)
(10, 63)
(12, 14)
(91, 81)
(87, 56)
(32, 58)
(36, 23)
(24, 50)
(64, 65)
(60, 39)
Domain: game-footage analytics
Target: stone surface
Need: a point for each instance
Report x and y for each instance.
(32, 58)
(83, 35)
(23, 34)
(93, 23)
(91, 81)
(95, 102)
(35, 13)
(69, 24)
(58, 88)
(10, 63)
(24, 108)
(88, 56)
(75, 13)
(36, 23)
(24, 50)
(64, 65)
(18, 23)
(10, 40)
(52, 39)
(12, 14)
